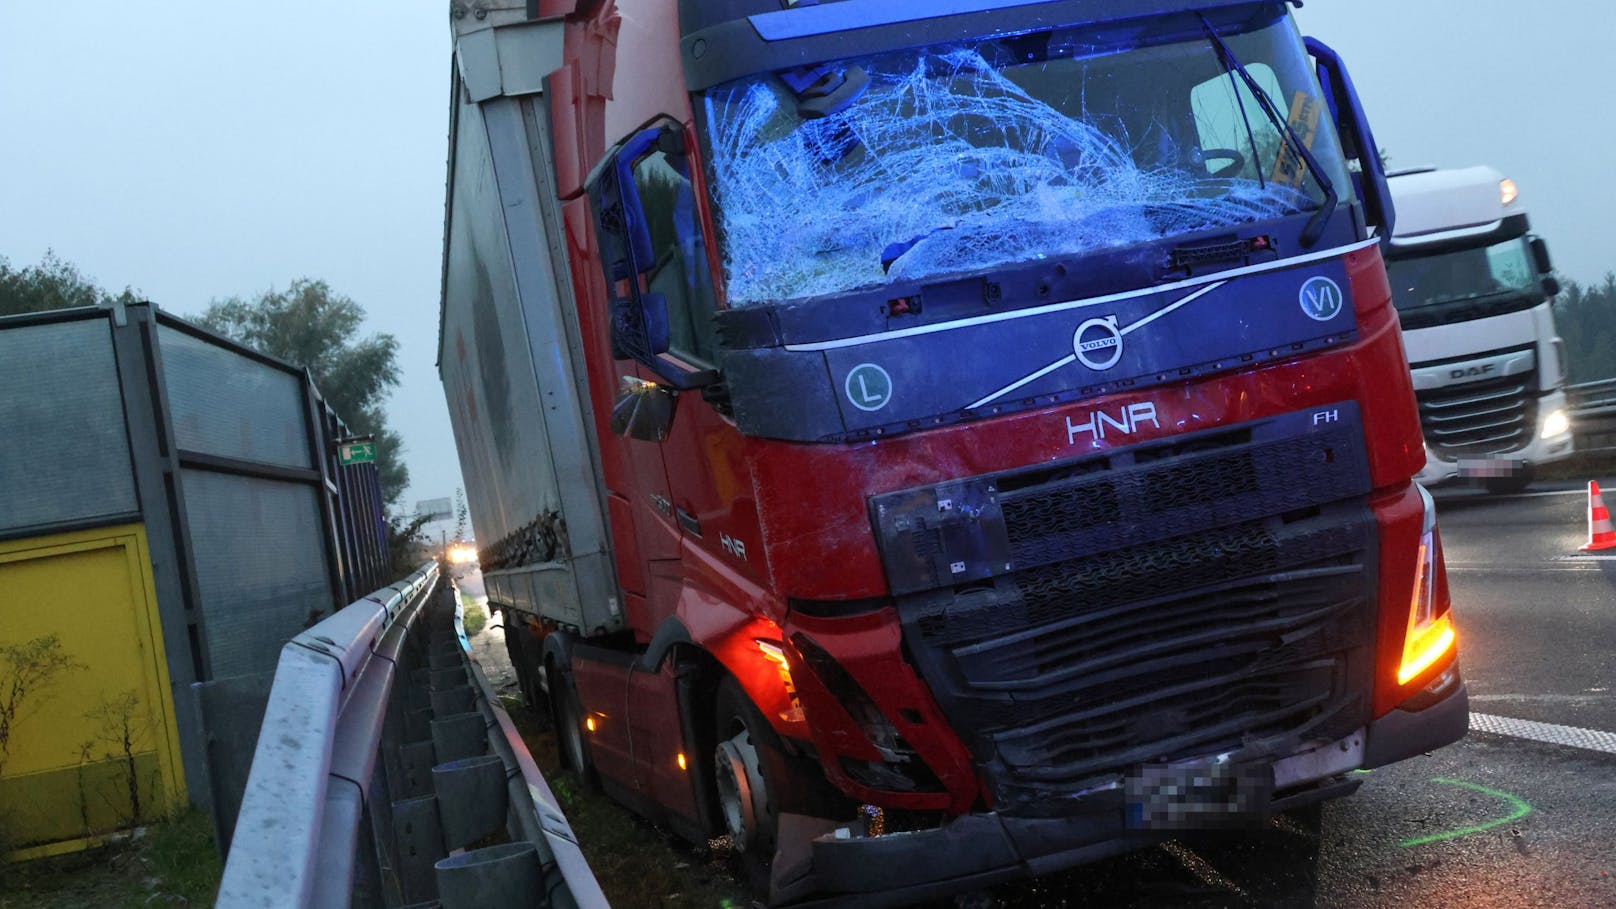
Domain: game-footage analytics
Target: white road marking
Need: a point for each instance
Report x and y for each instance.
(1569, 736)
(1454, 495)
(1585, 558)
(1195, 864)
(1547, 493)
(1484, 568)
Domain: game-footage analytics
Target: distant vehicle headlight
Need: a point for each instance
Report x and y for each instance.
(1557, 423)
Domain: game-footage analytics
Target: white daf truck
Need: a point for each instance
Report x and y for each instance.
(1472, 287)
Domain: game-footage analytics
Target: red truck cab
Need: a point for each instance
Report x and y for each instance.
(998, 421)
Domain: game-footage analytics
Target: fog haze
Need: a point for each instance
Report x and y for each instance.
(202, 150)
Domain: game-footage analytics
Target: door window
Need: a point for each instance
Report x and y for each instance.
(678, 267)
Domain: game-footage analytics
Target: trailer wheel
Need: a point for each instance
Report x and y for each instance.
(568, 713)
(754, 782)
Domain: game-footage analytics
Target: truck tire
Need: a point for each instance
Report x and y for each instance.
(567, 712)
(757, 782)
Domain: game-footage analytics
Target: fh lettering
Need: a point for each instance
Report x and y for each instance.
(1326, 417)
(1099, 423)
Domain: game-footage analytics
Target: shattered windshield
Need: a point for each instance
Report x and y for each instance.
(983, 155)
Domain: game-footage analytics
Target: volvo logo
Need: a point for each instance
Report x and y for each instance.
(1098, 343)
(1321, 298)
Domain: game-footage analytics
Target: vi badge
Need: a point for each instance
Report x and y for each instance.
(1321, 298)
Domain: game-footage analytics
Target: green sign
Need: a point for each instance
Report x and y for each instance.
(356, 453)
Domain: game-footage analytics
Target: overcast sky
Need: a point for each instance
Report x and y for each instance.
(201, 150)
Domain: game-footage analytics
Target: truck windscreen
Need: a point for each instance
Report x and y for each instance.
(1500, 271)
(976, 156)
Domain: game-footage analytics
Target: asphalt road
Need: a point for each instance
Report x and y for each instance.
(1496, 821)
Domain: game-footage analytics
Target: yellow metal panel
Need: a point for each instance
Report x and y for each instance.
(96, 748)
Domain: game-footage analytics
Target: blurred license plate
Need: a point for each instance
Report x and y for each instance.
(1489, 467)
(1198, 796)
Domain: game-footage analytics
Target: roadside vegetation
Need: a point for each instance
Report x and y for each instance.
(473, 616)
(172, 863)
(638, 865)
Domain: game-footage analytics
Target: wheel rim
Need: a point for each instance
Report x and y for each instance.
(740, 788)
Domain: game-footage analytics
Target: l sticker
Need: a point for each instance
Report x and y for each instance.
(868, 387)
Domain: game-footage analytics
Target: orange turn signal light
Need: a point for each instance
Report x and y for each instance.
(1425, 648)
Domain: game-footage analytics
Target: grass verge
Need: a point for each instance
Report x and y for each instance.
(638, 865)
(173, 863)
(472, 616)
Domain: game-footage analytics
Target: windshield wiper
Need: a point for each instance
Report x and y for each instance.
(1315, 225)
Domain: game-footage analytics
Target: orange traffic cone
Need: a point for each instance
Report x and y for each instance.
(1601, 533)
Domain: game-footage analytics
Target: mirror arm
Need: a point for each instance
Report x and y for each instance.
(1349, 108)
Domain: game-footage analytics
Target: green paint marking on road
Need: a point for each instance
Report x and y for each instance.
(1519, 809)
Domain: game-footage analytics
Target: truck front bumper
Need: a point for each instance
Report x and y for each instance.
(1539, 451)
(978, 851)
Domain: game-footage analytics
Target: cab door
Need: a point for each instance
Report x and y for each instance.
(647, 502)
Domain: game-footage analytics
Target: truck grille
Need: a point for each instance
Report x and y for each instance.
(1163, 602)
(1479, 418)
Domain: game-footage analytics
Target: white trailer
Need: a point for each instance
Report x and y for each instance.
(1472, 286)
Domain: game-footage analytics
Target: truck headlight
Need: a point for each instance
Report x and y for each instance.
(1430, 636)
(1557, 423)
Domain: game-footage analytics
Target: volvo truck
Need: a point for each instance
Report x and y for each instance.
(1473, 287)
(931, 445)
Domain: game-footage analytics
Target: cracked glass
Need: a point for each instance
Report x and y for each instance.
(982, 155)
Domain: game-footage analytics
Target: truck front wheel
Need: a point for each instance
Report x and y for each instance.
(752, 773)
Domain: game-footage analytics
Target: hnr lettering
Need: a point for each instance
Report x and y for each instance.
(1100, 422)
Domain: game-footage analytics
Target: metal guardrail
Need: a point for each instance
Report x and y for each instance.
(1593, 415)
(387, 774)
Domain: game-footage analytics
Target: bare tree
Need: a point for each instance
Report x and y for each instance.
(27, 671)
(120, 729)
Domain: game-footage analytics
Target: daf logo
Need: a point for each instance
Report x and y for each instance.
(1321, 298)
(1472, 372)
(1098, 343)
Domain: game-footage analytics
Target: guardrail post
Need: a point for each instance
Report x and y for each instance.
(419, 837)
(507, 876)
(472, 800)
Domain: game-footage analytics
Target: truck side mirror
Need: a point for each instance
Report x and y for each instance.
(635, 227)
(643, 410)
(640, 327)
(1540, 256)
(1353, 126)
